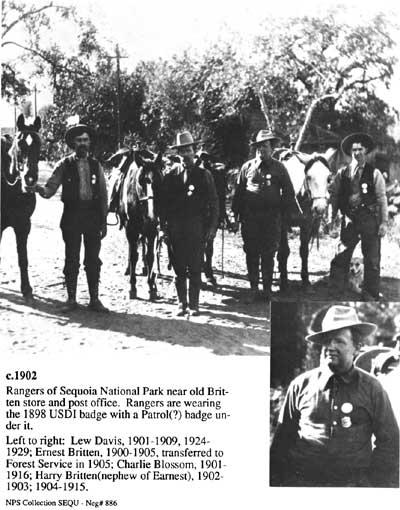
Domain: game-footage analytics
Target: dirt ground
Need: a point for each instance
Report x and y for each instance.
(226, 326)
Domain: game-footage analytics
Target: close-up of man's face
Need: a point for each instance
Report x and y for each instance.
(264, 150)
(187, 153)
(339, 350)
(358, 152)
(82, 144)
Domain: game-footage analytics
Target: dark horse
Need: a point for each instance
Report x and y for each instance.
(19, 172)
(217, 171)
(310, 175)
(138, 210)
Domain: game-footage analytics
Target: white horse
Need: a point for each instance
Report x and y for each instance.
(310, 176)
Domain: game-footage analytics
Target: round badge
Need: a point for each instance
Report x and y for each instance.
(191, 187)
(364, 187)
(346, 408)
(93, 179)
(189, 193)
(346, 422)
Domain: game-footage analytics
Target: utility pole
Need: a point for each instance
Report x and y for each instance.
(35, 99)
(118, 56)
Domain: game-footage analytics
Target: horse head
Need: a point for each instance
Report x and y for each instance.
(316, 184)
(310, 175)
(148, 179)
(25, 152)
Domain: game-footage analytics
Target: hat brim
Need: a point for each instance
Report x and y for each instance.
(362, 138)
(364, 328)
(268, 139)
(77, 131)
(184, 144)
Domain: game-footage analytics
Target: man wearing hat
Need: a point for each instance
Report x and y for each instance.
(359, 192)
(262, 199)
(189, 217)
(336, 427)
(84, 194)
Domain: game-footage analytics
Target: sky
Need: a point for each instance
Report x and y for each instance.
(151, 29)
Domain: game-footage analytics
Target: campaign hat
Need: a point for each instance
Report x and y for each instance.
(78, 130)
(264, 135)
(338, 317)
(362, 138)
(183, 139)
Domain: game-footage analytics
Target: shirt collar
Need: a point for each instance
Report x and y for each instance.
(326, 374)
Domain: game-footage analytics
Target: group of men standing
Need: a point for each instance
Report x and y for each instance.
(262, 200)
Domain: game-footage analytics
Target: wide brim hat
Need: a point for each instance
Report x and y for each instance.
(263, 136)
(183, 139)
(362, 138)
(78, 130)
(339, 317)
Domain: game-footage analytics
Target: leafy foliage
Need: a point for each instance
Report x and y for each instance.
(311, 71)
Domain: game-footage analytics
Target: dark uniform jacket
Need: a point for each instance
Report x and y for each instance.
(325, 430)
(263, 187)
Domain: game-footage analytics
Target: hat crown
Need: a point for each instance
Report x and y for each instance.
(184, 138)
(339, 317)
(264, 134)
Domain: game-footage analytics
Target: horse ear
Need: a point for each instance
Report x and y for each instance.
(304, 158)
(159, 159)
(138, 158)
(37, 124)
(329, 154)
(21, 122)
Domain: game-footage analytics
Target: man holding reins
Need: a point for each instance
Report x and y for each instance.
(190, 219)
(84, 194)
(262, 199)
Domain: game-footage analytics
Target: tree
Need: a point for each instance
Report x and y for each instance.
(330, 60)
(23, 28)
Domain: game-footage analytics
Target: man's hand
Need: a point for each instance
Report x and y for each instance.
(163, 236)
(103, 230)
(39, 189)
(234, 227)
(382, 230)
(210, 235)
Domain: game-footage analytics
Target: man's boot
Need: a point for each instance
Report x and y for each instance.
(267, 269)
(95, 304)
(70, 304)
(194, 293)
(181, 290)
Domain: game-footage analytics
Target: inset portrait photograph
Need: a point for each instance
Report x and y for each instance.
(335, 408)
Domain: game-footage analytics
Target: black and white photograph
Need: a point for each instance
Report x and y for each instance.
(199, 251)
(334, 395)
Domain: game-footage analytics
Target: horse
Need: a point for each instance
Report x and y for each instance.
(310, 176)
(217, 170)
(19, 173)
(138, 211)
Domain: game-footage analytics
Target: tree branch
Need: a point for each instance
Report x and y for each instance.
(26, 15)
(55, 65)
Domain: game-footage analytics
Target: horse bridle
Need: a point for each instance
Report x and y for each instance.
(13, 153)
(307, 191)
